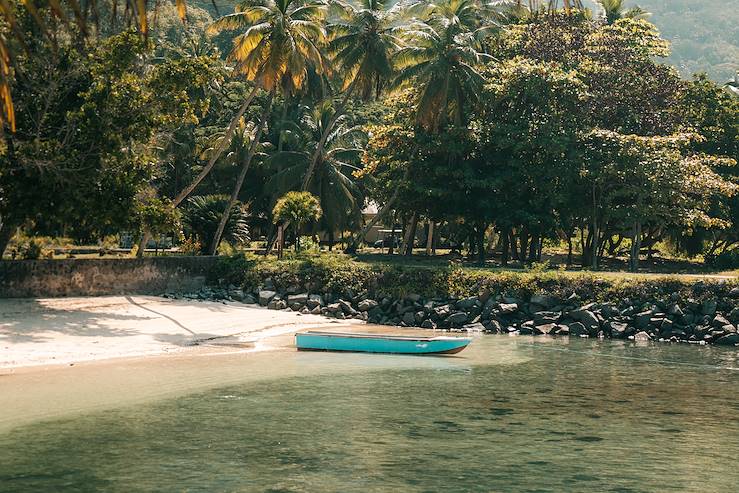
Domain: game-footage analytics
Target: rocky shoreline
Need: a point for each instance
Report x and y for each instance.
(711, 321)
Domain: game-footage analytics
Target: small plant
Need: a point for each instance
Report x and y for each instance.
(191, 246)
(31, 250)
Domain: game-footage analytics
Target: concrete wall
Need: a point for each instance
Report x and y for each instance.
(91, 277)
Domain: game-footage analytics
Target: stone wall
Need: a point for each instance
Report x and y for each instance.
(94, 277)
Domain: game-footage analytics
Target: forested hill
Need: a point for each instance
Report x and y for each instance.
(704, 33)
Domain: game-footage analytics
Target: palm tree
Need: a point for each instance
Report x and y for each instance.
(277, 49)
(333, 183)
(363, 40)
(440, 60)
(614, 10)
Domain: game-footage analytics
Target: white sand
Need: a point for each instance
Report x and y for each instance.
(70, 330)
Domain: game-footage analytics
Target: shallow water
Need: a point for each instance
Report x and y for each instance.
(509, 414)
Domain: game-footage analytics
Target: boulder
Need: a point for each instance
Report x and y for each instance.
(576, 329)
(586, 317)
(719, 321)
(367, 305)
(675, 311)
(297, 298)
(456, 319)
(476, 327)
(314, 300)
(545, 329)
(545, 317)
(508, 308)
(265, 296)
(347, 307)
(642, 336)
(409, 319)
(641, 320)
(734, 293)
(734, 315)
(428, 324)
(442, 311)
(728, 340)
(562, 330)
(615, 329)
(493, 326)
(333, 308)
(277, 304)
(708, 307)
(466, 303)
(249, 299)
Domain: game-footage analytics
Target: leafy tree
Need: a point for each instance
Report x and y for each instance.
(297, 208)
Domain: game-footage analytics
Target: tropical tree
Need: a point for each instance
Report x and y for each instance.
(297, 208)
(363, 39)
(278, 46)
(441, 62)
(202, 215)
(333, 183)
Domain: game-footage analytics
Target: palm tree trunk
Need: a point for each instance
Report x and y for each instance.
(430, 239)
(352, 248)
(324, 136)
(411, 235)
(242, 175)
(219, 150)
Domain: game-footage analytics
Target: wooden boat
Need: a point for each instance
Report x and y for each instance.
(378, 343)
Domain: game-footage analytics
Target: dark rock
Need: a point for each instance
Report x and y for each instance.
(442, 311)
(265, 296)
(347, 307)
(586, 317)
(249, 299)
(527, 328)
(734, 293)
(541, 318)
(409, 318)
(301, 299)
(734, 315)
(333, 308)
(466, 303)
(493, 326)
(314, 300)
(674, 310)
(277, 304)
(413, 297)
(641, 320)
(615, 329)
(428, 324)
(728, 340)
(577, 329)
(456, 319)
(708, 307)
(545, 329)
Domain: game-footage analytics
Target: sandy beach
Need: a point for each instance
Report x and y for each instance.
(67, 331)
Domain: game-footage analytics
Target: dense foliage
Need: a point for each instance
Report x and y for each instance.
(498, 124)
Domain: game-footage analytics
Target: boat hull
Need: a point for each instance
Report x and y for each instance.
(366, 343)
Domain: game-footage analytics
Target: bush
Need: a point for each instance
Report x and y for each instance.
(340, 275)
(726, 260)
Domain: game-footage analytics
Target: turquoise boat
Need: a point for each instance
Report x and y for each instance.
(378, 343)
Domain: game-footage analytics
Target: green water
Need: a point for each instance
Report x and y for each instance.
(512, 415)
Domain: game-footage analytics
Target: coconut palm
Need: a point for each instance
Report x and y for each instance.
(201, 217)
(614, 10)
(278, 47)
(441, 59)
(333, 184)
(364, 37)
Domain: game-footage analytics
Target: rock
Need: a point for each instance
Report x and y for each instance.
(466, 303)
(237, 294)
(586, 317)
(316, 310)
(541, 318)
(734, 315)
(708, 307)
(409, 319)
(544, 300)
(609, 310)
(428, 324)
(728, 340)
(249, 299)
(719, 321)
(476, 327)
(493, 326)
(297, 298)
(333, 308)
(641, 320)
(456, 319)
(276, 304)
(265, 296)
(734, 293)
(347, 307)
(314, 300)
(641, 336)
(562, 330)
(367, 305)
(674, 310)
(729, 328)
(545, 329)
(508, 308)
(577, 329)
(305, 310)
(527, 328)
(442, 311)
(616, 329)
